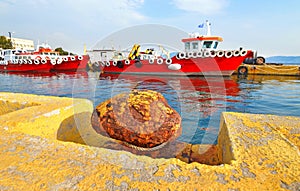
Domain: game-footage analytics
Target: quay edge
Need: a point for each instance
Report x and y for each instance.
(258, 152)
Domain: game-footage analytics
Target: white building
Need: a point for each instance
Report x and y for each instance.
(23, 44)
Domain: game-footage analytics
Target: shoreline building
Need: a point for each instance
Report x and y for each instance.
(24, 44)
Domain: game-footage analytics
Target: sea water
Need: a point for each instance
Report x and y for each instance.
(199, 100)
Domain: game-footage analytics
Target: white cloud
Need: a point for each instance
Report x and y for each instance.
(206, 7)
(80, 20)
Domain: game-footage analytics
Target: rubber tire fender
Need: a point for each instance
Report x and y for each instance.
(243, 71)
(120, 64)
(138, 64)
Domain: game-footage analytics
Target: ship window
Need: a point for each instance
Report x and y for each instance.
(216, 45)
(207, 44)
(195, 45)
(187, 46)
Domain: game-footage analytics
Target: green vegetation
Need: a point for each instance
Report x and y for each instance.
(62, 52)
(5, 43)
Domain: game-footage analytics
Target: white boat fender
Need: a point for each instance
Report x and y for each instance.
(15, 61)
(107, 63)
(24, 61)
(151, 61)
(199, 54)
(53, 62)
(36, 61)
(236, 53)
(66, 58)
(127, 62)
(181, 55)
(43, 61)
(102, 63)
(228, 53)
(59, 60)
(220, 53)
(174, 66)
(195, 55)
(29, 61)
(169, 61)
(213, 53)
(190, 54)
(243, 52)
(80, 57)
(159, 61)
(73, 58)
(207, 54)
(20, 61)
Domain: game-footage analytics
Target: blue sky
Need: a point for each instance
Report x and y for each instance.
(271, 27)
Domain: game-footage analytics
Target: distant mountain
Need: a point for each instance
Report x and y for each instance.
(283, 59)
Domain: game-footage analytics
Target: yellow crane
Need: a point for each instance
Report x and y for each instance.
(134, 53)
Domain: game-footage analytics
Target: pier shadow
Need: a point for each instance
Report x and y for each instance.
(78, 129)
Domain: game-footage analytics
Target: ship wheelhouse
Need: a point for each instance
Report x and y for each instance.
(197, 43)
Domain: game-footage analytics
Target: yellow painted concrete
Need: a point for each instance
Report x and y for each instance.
(38, 115)
(259, 152)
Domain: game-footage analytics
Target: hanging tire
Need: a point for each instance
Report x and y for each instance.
(242, 71)
(228, 54)
(260, 60)
(138, 64)
(220, 53)
(120, 64)
(127, 62)
(159, 61)
(168, 61)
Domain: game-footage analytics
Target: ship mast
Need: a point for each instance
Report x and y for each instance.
(208, 28)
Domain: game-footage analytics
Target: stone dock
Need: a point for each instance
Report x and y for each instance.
(47, 143)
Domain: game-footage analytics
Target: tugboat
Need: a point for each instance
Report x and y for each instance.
(17, 60)
(201, 57)
(44, 59)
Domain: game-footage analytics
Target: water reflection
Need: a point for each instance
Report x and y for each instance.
(199, 100)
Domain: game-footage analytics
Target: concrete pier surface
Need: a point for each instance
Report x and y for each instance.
(257, 152)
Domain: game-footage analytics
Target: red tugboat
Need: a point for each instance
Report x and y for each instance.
(16, 60)
(44, 59)
(61, 62)
(201, 57)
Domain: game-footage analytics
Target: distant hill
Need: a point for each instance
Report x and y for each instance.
(283, 59)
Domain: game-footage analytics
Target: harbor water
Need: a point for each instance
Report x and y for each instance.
(199, 100)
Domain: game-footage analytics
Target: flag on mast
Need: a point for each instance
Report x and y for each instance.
(201, 25)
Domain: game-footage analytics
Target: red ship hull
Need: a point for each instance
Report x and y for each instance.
(78, 63)
(46, 65)
(28, 67)
(196, 66)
